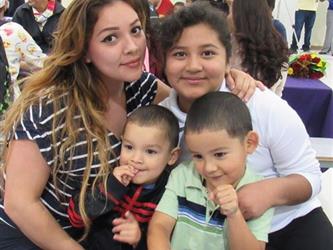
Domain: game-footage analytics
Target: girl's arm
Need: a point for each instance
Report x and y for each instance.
(239, 235)
(159, 231)
(295, 165)
(288, 190)
(242, 84)
(26, 176)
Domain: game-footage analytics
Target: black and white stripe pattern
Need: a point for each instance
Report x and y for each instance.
(36, 125)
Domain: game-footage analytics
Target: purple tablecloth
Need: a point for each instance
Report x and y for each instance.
(313, 101)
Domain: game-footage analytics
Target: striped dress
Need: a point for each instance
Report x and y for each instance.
(36, 125)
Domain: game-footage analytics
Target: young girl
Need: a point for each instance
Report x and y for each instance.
(63, 133)
(196, 45)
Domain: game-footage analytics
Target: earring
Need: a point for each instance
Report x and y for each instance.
(88, 60)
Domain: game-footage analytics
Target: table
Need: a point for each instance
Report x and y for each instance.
(313, 101)
(324, 151)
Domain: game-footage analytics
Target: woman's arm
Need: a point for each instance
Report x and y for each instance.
(159, 231)
(26, 176)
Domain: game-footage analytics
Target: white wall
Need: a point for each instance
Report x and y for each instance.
(285, 12)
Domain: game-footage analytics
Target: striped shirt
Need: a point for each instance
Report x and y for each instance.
(36, 125)
(186, 200)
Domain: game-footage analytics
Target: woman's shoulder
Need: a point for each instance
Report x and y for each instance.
(46, 107)
(142, 91)
(145, 78)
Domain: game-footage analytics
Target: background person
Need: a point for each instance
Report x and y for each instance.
(258, 48)
(23, 54)
(40, 19)
(13, 5)
(305, 15)
(328, 41)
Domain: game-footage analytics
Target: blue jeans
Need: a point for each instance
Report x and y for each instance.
(304, 18)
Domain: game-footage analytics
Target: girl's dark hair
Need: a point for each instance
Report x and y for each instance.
(194, 14)
(151, 31)
(263, 51)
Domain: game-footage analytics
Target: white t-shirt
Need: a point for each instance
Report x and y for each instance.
(284, 148)
(311, 5)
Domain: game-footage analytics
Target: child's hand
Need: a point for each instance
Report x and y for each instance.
(226, 197)
(242, 84)
(124, 174)
(127, 229)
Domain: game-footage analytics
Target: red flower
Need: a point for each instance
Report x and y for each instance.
(296, 66)
(316, 75)
(315, 60)
(305, 57)
(307, 66)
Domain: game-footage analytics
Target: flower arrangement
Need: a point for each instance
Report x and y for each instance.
(308, 65)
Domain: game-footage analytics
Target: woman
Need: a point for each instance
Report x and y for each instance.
(63, 133)
(258, 48)
(68, 114)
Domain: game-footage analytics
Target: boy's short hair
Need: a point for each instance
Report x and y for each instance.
(219, 111)
(155, 115)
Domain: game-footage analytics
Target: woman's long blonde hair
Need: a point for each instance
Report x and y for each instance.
(66, 73)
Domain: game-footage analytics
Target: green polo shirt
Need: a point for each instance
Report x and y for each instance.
(199, 223)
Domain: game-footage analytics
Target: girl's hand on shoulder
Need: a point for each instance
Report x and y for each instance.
(226, 197)
(124, 174)
(127, 229)
(253, 200)
(242, 84)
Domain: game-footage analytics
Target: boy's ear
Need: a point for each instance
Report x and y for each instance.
(174, 155)
(251, 140)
